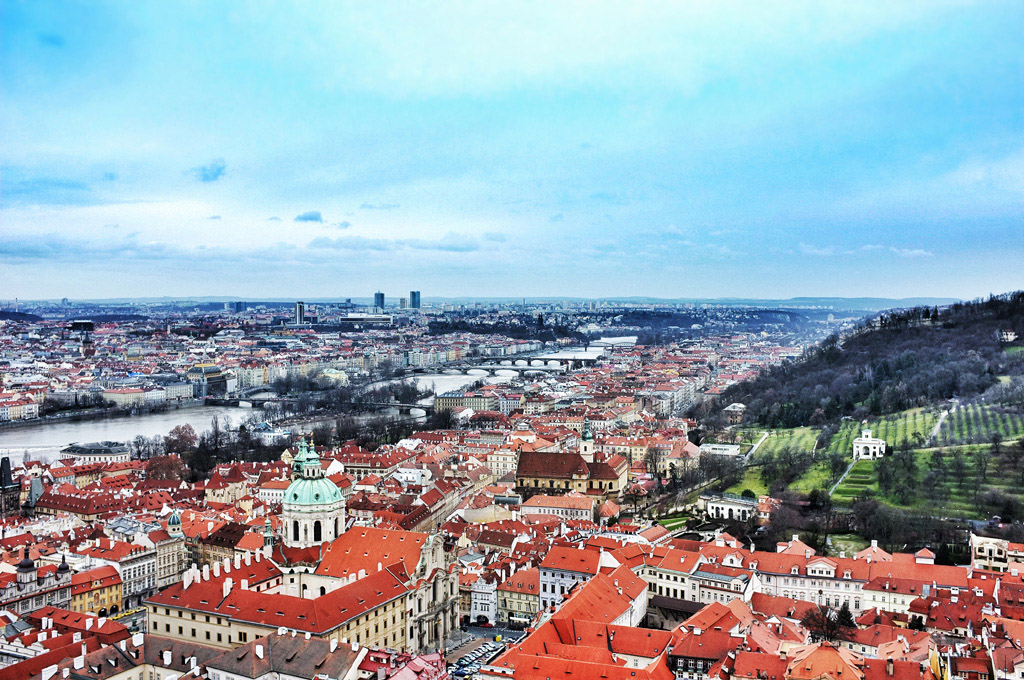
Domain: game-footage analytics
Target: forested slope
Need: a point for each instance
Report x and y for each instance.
(897, 361)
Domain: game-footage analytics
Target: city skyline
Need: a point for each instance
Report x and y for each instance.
(525, 150)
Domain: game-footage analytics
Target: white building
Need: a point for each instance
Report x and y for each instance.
(572, 506)
(563, 568)
(866, 447)
(97, 452)
(483, 604)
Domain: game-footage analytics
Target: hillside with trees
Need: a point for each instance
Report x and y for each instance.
(894, 362)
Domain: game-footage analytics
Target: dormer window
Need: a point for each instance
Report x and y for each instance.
(795, 570)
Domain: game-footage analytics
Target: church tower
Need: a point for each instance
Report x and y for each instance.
(313, 510)
(587, 442)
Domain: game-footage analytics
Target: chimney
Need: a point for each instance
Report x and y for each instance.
(245, 584)
(227, 564)
(889, 666)
(66, 672)
(248, 559)
(209, 526)
(88, 623)
(216, 569)
(49, 672)
(238, 561)
(874, 543)
(258, 556)
(138, 639)
(227, 586)
(206, 572)
(79, 663)
(259, 651)
(334, 645)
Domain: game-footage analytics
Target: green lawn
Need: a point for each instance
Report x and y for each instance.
(848, 543)
(673, 523)
(976, 423)
(751, 480)
(965, 429)
(892, 428)
(800, 437)
(951, 497)
(816, 477)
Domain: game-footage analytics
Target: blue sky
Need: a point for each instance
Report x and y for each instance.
(516, 148)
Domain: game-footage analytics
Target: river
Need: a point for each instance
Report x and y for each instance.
(43, 442)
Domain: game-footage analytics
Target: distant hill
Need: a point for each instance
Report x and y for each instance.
(863, 304)
(896, 361)
(18, 316)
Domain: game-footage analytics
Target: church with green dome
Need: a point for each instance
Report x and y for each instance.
(313, 509)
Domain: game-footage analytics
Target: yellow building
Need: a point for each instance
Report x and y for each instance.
(519, 598)
(97, 591)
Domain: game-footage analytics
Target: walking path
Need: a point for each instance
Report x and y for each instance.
(840, 480)
(753, 449)
(934, 436)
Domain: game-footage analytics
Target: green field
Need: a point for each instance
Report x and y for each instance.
(951, 497)
(976, 423)
(847, 543)
(799, 437)
(751, 480)
(893, 429)
(968, 429)
(673, 523)
(816, 477)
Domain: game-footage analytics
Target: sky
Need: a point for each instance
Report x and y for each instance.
(680, 149)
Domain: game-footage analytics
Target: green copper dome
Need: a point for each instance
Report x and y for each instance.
(312, 492)
(309, 486)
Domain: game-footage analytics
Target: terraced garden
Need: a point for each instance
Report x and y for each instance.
(913, 425)
(948, 494)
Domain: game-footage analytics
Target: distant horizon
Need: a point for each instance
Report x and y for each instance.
(863, 149)
(393, 298)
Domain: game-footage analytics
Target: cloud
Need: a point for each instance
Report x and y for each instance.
(47, 191)
(495, 236)
(344, 224)
(806, 249)
(110, 176)
(829, 251)
(378, 206)
(911, 252)
(211, 172)
(275, 218)
(558, 217)
(352, 243)
(451, 242)
(213, 217)
(309, 216)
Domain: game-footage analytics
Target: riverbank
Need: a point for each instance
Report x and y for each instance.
(43, 439)
(95, 414)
